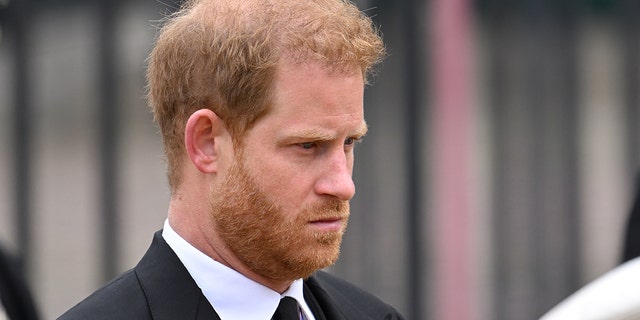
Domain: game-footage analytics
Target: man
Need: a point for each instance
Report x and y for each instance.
(260, 105)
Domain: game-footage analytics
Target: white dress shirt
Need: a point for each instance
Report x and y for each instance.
(232, 295)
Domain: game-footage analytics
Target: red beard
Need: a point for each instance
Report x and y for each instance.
(277, 245)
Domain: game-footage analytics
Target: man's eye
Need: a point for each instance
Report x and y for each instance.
(308, 145)
(350, 141)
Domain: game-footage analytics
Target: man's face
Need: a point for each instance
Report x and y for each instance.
(283, 207)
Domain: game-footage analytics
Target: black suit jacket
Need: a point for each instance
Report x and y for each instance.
(160, 287)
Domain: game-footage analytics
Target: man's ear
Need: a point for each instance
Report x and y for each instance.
(202, 134)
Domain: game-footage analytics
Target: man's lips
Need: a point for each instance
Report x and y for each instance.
(328, 224)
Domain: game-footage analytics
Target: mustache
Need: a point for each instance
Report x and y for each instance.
(327, 210)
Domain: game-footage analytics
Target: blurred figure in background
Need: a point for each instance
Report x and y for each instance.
(615, 295)
(16, 302)
(632, 238)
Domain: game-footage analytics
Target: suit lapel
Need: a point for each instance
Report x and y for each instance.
(340, 300)
(171, 292)
(313, 304)
(317, 298)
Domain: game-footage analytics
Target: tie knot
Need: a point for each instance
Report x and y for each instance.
(287, 310)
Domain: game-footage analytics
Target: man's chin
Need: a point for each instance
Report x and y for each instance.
(319, 254)
(326, 255)
(326, 240)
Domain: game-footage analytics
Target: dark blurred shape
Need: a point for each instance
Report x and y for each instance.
(603, 7)
(108, 114)
(632, 238)
(18, 14)
(15, 296)
(415, 85)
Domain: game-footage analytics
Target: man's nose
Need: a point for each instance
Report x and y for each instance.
(336, 178)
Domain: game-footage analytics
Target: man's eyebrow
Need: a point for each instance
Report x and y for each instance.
(308, 134)
(362, 130)
(317, 134)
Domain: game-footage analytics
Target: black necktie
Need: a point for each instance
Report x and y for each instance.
(287, 310)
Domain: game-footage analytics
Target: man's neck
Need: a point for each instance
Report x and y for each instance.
(211, 245)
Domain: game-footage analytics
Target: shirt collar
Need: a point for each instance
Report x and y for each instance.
(232, 295)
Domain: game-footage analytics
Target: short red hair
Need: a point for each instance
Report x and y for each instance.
(223, 54)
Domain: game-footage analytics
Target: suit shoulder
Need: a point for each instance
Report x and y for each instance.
(334, 284)
(353, 297)
(121, 298)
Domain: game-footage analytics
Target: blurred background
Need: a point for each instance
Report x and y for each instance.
(497, 177)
